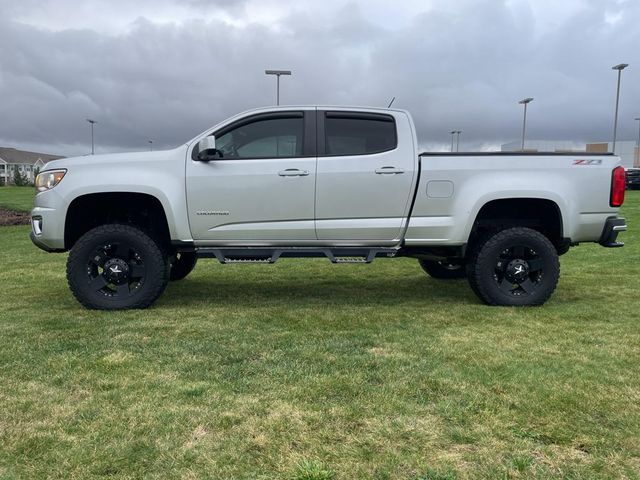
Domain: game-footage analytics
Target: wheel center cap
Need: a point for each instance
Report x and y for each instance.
(517, 270)
(116, 270)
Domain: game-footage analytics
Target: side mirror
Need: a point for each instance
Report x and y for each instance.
(207, 149)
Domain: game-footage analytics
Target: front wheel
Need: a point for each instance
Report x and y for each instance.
(443, 270)
(516, 267)
(117, 267)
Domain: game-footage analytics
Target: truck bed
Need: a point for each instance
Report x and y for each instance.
(451, 190)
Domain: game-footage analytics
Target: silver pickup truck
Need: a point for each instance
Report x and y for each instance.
(344, 183)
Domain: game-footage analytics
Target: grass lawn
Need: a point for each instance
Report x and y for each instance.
(307, 370)
(17, 198)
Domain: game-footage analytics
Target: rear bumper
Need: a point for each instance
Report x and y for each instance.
(612, 227)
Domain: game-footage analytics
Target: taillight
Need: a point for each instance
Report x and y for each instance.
(617, 187)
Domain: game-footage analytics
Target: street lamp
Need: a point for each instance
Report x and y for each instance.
(92, 122)
(277, 73)
(619, 68)
(638, 142)
(525, 102)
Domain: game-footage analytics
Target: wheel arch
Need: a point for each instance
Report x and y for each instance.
(142, 210)
(539, 213)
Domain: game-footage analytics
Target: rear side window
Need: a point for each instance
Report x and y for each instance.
(348, 133)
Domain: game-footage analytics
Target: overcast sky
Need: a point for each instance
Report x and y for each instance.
(167, 69)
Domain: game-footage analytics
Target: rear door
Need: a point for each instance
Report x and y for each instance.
(261, 190)
(365, 176)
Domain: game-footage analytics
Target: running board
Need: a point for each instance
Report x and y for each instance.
(246, 260)
(271, 255)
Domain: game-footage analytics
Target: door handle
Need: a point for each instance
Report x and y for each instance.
(293, 172)
(389, 171)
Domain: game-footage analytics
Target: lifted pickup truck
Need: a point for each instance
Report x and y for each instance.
(343, 183)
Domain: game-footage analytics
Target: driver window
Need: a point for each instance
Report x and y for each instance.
(267, 138)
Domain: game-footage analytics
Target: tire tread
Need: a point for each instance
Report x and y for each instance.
(481, 253)
(75, 263)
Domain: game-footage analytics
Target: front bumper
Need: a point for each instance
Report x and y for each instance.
(41, 245)
(47, 229)
(612, 227)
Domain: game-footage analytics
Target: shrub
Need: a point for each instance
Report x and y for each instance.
(20, 179)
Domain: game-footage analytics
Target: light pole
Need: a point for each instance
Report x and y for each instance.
(525, 102)
(151, 145)
(453, 132)
(277, 73)
(638, 142)
(619, 68)
(458, 132)
(92, 122)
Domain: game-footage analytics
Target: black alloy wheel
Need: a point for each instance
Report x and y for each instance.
(518, 270)
(114, 267)
(116, 270)
(517, 266)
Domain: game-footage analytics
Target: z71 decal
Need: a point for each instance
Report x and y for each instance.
(588, 162)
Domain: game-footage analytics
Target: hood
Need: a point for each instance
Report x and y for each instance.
(118, 158)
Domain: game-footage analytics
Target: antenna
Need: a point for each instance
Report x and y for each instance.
(391, 102)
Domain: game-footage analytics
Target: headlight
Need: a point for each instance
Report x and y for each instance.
(48, 180)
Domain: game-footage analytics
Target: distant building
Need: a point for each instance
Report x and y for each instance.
(27, 163)
(626, 150)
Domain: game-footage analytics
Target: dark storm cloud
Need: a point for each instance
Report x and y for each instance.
(464, 68)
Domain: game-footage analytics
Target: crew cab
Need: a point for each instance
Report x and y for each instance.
(344, 183)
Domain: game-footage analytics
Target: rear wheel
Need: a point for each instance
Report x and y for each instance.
(517, 266)
(115, 267)
(443, 270)
(182, 265)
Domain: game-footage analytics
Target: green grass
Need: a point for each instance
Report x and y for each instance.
(17, 198)
(306, 370)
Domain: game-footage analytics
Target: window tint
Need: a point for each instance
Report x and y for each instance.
(353, 134)
(271, 137)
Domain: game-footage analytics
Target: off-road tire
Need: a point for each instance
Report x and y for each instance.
(182, 265)
(443, 270)
(494, 262)
(123, 248)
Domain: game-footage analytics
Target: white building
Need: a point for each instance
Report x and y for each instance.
(27, 163)
(626, 150)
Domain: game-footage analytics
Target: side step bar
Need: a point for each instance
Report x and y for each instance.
(271, 255)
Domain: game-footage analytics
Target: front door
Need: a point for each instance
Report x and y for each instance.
(261, 189)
